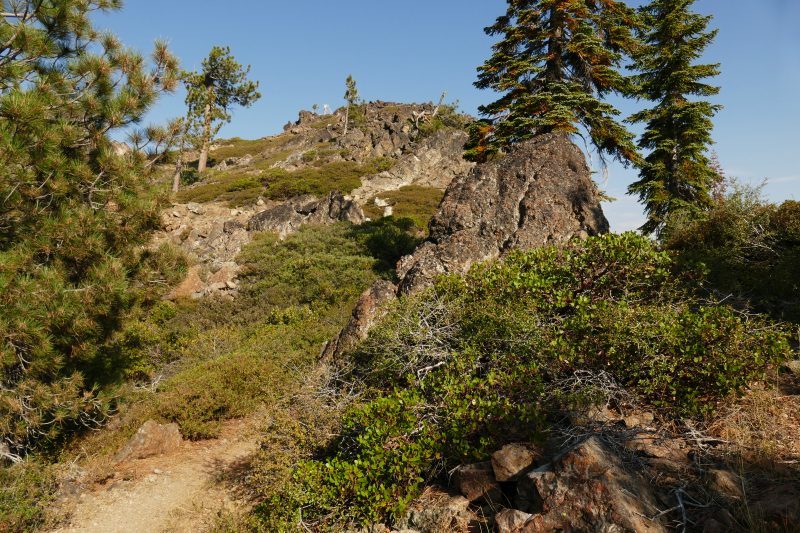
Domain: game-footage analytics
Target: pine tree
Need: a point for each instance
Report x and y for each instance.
(222, 84)
(676, 175)
(72, 213)
(351, 95)
(556, 62)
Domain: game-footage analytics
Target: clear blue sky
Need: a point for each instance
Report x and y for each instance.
(411, 51)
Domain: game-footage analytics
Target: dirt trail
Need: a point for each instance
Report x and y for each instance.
(179, 492)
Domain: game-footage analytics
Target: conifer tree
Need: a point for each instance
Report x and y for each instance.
(556, 62)
(676, 175)
(72, 213)
(222, 84)
(351, 95)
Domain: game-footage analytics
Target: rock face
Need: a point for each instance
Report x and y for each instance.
(290, 216)
(586, 489)
(477, 483)
(151, 439)
(539, 194)
(434, 163)
(371, 305)
(513, 461)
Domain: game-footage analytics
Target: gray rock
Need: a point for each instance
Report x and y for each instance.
(282, 220)
(195, 208)
(371, 306)
(434, 163)
(511, 520)
(539, 194)
(290, 216)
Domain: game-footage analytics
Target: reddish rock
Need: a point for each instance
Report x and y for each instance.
(192, 287)
(223, 278)
(514, 460)
(588, 489)
(151, 439)
(477, 483)
(445, 512)
(726, 483)
(371, 305)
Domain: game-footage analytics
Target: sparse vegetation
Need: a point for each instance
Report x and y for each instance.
(411, 201)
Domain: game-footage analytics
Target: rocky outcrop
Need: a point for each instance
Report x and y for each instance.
(539, 194)
(371, 305)
(434, 163)
(150, 440)
(587, 489)
(291, 215)
(213, 233)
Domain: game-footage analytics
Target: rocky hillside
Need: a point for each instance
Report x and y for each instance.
(393, 161)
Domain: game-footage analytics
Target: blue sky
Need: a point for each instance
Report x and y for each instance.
(412, 51)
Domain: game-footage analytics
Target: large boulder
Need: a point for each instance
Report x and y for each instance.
(290, 216)
(541, 193)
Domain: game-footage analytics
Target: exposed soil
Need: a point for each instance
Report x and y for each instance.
(180, 492)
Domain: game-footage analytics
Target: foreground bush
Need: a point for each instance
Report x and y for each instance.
(751, 248)
(26, 496)
(74, 214)
(476, 362)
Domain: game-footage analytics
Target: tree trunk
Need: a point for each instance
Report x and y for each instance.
(176, 179)
(201, 167)
(436, 109)
(346, 117)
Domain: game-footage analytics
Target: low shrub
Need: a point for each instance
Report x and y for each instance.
(26, 496)
(453, 374)
(343, 176)
(751, 249)
(323, 264)
(309, 156)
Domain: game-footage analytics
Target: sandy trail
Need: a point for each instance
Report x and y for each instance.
(174, 493)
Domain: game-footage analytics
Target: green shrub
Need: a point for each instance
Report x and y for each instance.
(26, 496)
(751, 249)
(323, 264)
(452, 374)
(309, 156)
(248, 369)
(242, 184)
(190, 177)
(343, 176)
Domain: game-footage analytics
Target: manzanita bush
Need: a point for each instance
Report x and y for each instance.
(453, 374)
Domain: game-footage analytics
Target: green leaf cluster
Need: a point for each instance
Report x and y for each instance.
(555, 64)
(74, 214)
(676, 175)
(451, 375)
